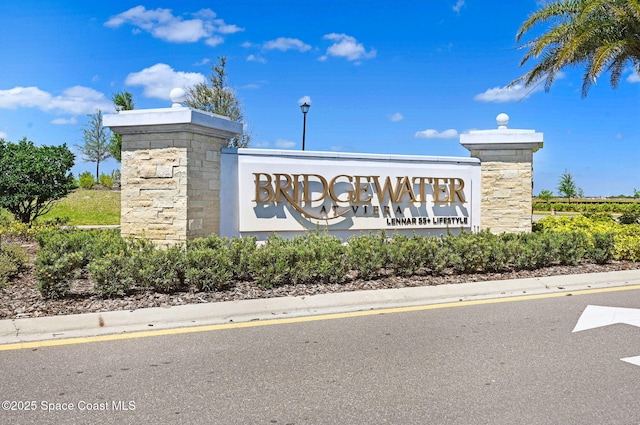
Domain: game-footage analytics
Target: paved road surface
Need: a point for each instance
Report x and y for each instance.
(493, 363)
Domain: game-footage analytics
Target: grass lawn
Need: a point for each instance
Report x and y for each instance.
(89, 207)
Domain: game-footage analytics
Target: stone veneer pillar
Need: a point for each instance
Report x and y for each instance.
(506, 157)
(171, 170)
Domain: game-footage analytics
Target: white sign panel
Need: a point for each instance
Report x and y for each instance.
(297, 191)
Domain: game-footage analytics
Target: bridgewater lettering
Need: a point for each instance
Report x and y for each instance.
(301, 188)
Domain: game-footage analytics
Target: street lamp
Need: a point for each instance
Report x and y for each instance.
(304, 108)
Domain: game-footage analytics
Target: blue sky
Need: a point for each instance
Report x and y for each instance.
(383, 77)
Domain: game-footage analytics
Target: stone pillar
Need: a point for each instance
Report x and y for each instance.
(171, 170)
(506, 157)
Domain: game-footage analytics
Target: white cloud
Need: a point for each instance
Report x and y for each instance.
(3, 135)
(214, 41)
(162, 24)
(346, 47)
(24, 97)
(434, 134)
(74, 100)
(254, 58)
(81, 100)
(396, 117)
(159, 79)
(251, 86)
(284, 144)
(65, 121)
(304, 99)
(634, 77)
(515, 93)
(202, 62)
(262, 144)
(283, 44)
(458, 6)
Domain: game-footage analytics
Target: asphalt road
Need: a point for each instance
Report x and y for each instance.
(494, 363)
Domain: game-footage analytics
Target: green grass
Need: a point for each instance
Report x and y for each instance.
(88, 207)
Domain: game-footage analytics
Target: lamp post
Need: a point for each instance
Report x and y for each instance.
(304, 108)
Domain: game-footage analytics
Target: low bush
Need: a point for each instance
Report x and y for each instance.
(65, 254)
(86, 180)
(106, 180)
(303, 259)
(13, 260)
(603, 248)
(117, 265)
(164, 270)
(209, 269)
(629, 218)
(626, 238)
(56, 272)
(113, 274)
(241, 250)
(368, 254)
(469, 251)
(405, 255)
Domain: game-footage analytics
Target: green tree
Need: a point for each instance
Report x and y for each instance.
(599, 35)
(96, 142)
(545, 195)
(33, 177)
(567, 186)
(218, 97)
(122, 101)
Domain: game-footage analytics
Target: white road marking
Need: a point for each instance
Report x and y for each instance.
(598, 316)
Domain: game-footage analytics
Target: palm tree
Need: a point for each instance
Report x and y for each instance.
(601, 35)
(122, 101)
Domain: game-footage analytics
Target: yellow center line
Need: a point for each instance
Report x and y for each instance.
(303, 319)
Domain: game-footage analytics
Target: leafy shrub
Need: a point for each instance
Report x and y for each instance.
(13, 260)
(405, 256)
(241, 250)
(208, 269)
(323, 258)
(64, 255)
(210, 242)
(113, 274)
(571, 248)
(469, 252)
(368, 254)
(605, 207)
(303, 259)
(33, 177)
(434, 252)
(629, 218)
(56, 272)
(602, 250)
(6, 218)
(106, 180)
(86, 180)
(626, 237)
(164, 270)
(270, 265)
(533, 251)
(627, 243)
(500, 251)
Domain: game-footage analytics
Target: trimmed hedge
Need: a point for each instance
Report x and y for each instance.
(117, 266)
(605, 207)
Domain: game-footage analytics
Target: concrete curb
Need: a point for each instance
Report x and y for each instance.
(93, 324)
